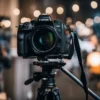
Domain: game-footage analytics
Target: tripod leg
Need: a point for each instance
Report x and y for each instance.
(40, 95)
(43, 94)
(95, 96)
(56, 94)
(48, 94)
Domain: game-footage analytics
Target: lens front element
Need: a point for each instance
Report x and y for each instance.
(44, 40)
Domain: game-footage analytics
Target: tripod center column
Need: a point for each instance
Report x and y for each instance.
(48, 79)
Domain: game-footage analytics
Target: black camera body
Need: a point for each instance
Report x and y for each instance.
(42, 38)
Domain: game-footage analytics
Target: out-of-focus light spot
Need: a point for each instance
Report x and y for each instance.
(3, 96)
(78, 23)
(91, 30)
(97, 19)
(86, 46)
(65, 60)
(29, 95)
(6, 23)
(72, 26)
(60, 10)
(69, 20)
(94, 4)
(25, 19)
(89, 22)
(93, 59)
(16, 11)
(84, 31)
(36, 13)
(93, 39)
(49, 10)
(75, 8)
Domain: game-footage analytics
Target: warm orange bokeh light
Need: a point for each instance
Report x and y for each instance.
(89, 22)
(75, 8)
(49, 10)
(93, 61)
(94, 4)
(60, 10)
(93, 39)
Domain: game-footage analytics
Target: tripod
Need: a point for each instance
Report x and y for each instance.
(48, 89)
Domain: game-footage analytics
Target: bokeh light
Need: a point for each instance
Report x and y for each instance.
(78, 23)
(94, 4)
(75, 8)
(6, 23)
(93, 59)
(89, 22)
(25, 19)
(97, 19)
(68, 20)
(16, 11)
(36, 13)
(93, 39)
(82, 29)
(72, 26)
(49, 10)
(29, 95)
(60, 10)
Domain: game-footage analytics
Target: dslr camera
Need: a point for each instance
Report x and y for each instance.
(42, 37)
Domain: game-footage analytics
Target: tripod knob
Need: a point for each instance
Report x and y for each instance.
(36, 77)
(27, 82)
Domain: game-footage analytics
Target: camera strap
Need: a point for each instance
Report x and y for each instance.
(78, 51)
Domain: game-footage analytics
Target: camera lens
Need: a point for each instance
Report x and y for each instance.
(44, 40)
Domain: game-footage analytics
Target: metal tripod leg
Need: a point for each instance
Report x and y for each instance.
(48, 94)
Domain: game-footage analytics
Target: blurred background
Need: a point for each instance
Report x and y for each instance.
(83, 16)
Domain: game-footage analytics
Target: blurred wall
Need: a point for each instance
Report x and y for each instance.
(6, 9)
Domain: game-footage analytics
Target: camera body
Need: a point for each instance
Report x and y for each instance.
(42, 38)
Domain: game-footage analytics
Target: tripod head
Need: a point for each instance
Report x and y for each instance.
(48, 70)
(48, 79)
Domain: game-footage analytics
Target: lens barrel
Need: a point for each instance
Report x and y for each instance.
(44, 39)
